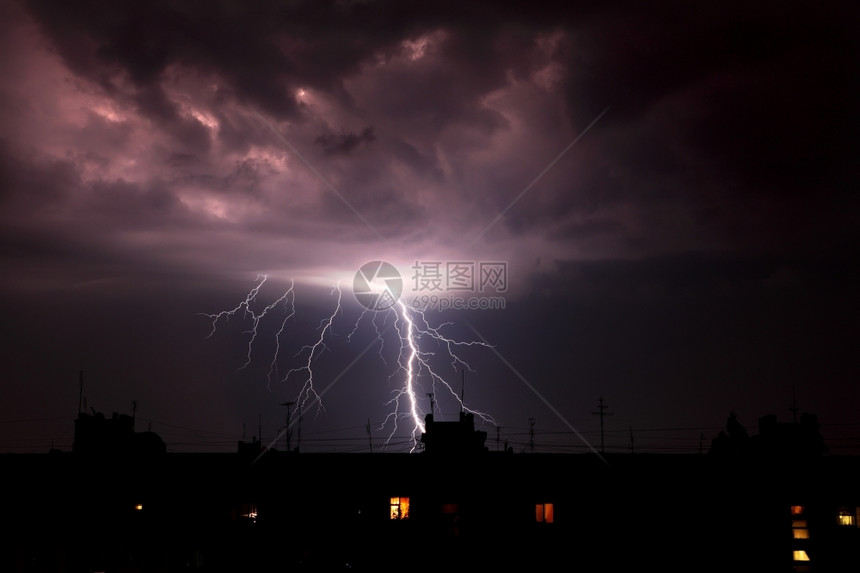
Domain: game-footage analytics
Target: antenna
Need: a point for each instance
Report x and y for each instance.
(532, 434)
(81, 394)
(369, 438)
(288, 431)
(432, 403)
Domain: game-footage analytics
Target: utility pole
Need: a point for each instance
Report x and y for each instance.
(601, 412)
(532, 435)
(288, 432)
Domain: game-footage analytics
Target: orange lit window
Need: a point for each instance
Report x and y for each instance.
(846, 517)
(799, 529)
(800, 555)
(399, 508)
(796, 510)
(544, 513)
(799, 533)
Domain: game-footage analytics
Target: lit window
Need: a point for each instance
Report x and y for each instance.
(139, 507)
(800, 555)
(399, 508)
(544, 513)
(799, 529)
(249, 511)
(846, 517)
(796, 510)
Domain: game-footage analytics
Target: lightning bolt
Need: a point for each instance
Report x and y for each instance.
(247, 312)
(418, 345)
(308, 391)
(413, 329)
(273, 365)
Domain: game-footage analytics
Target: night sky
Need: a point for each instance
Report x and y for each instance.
(672, 188)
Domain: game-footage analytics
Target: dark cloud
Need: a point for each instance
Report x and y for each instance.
(181, 159)
(591, 228)
(32, 184)
(344, 143)
(708, 276)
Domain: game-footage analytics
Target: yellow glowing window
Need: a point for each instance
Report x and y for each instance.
(796, 510)
(799, 533)
(139, 507)
(399, 508)
(544, 513)
(798, 523)
(846, 517)
(800, 555)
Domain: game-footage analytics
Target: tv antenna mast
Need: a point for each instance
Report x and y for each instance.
(288, 431)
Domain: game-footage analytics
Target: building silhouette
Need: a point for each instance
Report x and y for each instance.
(453, 438)
(97, 435)
(112, 505)
(779, 439)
